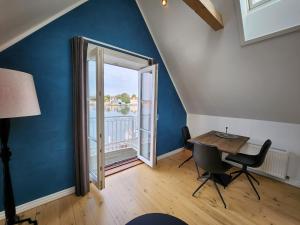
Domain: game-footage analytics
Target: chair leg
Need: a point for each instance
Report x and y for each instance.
(239, 174)
(185, 161)
(200, 186)
(252, 186)
(253, 178)
(203, 176)
(216, 186)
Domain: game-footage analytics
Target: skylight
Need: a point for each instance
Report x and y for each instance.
(263, 19)
(255, 3)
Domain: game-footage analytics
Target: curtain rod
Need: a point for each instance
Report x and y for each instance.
(99, 43)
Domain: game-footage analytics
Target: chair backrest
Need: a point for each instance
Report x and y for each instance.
(260, 157)
(208, 158)
(186, 135)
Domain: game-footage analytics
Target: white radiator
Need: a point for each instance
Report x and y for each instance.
(276, 162)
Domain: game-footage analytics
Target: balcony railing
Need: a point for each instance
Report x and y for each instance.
(120, 132)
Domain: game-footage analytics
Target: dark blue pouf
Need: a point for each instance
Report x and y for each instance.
(156, 219)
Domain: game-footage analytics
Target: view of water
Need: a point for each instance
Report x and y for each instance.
(120, 110)
(115, 111)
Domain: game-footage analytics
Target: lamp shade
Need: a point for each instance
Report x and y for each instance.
(17, 95)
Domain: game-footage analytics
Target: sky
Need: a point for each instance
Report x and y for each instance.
(117, 80)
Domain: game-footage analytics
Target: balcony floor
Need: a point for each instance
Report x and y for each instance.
(119, 155)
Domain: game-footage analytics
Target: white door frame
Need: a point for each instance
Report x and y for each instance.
(98, 178)
(152, 161)
(100, 116)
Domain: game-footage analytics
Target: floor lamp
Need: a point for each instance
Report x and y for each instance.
(17, 99)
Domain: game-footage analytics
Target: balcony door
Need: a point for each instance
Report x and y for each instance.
(95, 117)
(147, 114)
(144, 129)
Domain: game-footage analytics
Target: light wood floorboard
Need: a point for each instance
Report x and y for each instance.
(168, 189)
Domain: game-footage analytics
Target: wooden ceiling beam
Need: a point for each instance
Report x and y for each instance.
(206, 10)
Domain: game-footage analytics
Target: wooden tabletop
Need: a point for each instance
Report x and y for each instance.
(228, 145)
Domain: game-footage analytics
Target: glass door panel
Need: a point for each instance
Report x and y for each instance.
(145, 147)
(147, 115)
(92, 128)
(95, 121)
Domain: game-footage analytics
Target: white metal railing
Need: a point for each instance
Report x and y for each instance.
(120, 132)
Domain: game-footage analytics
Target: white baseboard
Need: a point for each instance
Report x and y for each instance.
(293, 182)
(41, 201)
(170, 153)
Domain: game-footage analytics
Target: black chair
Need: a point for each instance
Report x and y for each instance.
(187, 145)
(253, 161)
(209, 158)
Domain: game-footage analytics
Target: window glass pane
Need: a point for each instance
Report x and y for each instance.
(255, 3)
(146, 100)
(147, 86)
(92, 125)
(145, 144)
(92, 78)
(93, 157)
(146, 115)
(92, 120)
(92, 99)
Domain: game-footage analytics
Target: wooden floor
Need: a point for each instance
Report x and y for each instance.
(168, 189)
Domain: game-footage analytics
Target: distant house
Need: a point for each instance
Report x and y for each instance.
(115, 101)
(133, 100)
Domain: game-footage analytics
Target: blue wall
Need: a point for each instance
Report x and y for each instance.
(42, 146)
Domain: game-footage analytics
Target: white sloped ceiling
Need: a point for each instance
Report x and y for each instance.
(19, 18)
(215, 75)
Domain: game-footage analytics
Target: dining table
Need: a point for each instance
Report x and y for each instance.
(226, 143)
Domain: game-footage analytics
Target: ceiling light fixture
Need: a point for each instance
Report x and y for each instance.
(164, 2)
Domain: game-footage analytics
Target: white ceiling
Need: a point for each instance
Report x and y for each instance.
(18, 18)
(214, 75)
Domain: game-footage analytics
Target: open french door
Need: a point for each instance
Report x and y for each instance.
(96, 117)
(147, 109)
(147, 114)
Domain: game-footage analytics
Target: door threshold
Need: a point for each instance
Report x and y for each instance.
(121, 166)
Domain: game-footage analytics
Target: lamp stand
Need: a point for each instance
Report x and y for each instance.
(9, 201)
